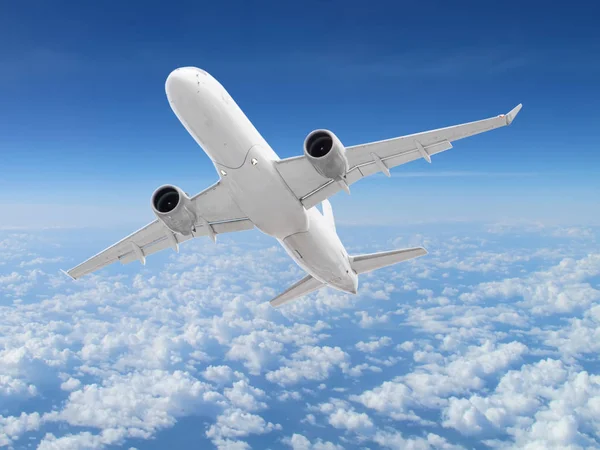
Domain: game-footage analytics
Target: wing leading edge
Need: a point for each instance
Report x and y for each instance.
(366, 159)
(214, 205)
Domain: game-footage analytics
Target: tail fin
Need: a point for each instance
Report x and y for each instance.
(328, 213)
(374, 261)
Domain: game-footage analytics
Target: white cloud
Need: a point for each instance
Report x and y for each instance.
(300, 442)
(39, 261)
(244, 396)
(542, 405)
(235, 423)
(310, 363)
(137, 404)
(218, 374)
(579, 337)
(71, 384)
(134, 354)
(350, 420)
(394, 440)
(374, 345)
(560, 289)
(368, 321)
(11, 428)
(433, 383)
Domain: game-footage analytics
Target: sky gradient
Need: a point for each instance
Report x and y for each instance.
(86, 132)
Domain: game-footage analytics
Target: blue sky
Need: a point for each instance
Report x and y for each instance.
(85, 122)
(490, 341)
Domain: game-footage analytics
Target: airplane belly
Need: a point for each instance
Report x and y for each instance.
(262, 195)
(320, 252)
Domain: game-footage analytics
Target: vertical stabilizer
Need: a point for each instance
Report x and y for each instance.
(328, 213)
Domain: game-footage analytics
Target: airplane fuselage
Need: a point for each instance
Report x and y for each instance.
(245, 164)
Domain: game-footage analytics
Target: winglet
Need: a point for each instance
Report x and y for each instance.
(68, 274)
(513, 113)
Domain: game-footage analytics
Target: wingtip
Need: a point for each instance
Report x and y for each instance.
(513, 113)
(68, 274)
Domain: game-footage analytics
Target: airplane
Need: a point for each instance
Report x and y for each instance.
(278, 196)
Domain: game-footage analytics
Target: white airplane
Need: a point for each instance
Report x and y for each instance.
(277, 196)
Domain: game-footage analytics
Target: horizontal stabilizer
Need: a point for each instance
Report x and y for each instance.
(305, 286)
(374, 261)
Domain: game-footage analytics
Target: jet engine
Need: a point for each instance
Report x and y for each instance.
(174, 208)
(326, 153)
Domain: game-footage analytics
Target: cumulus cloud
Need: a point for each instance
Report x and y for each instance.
(344, 417)
(218, 374)
(560, 289)
(542, 405)
(310, 363)
(126, 356)
(394, 440)
(235, 423)
(71, 384)
(374, 345)
(300, 442)
(430, 385)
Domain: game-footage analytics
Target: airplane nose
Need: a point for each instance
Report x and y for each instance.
(179, 82)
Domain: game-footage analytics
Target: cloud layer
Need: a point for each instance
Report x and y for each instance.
(490, 340)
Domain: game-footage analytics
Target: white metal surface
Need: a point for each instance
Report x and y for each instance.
(257, 189)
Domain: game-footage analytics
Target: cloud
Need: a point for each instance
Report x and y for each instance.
(39, 261)
(242, 395)
(11, 428)
(505, 355)
(394, 440)
(430, 385)
(137, 404)
(542, 405)
(300, 442)
(235, 423)
(579, 337)
(218, 374)
(560, 289)
(374, 345)
(71, 384)
(310, 363)
(342, 416)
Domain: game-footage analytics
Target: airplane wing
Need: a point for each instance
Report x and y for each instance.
(303, 287)
(366, 159)
(214, 205)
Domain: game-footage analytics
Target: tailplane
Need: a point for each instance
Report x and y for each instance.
(305, 286)
(360, 264)
(374, 261)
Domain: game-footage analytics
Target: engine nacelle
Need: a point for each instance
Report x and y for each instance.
(326, 153)
(174, 208)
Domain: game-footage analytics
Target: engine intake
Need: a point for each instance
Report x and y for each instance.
(318, 144)
(166, 199)
(326, 153)
(174, 208)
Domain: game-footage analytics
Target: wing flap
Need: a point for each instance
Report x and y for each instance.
(303, 287)
(402, 158)
(164, 242)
